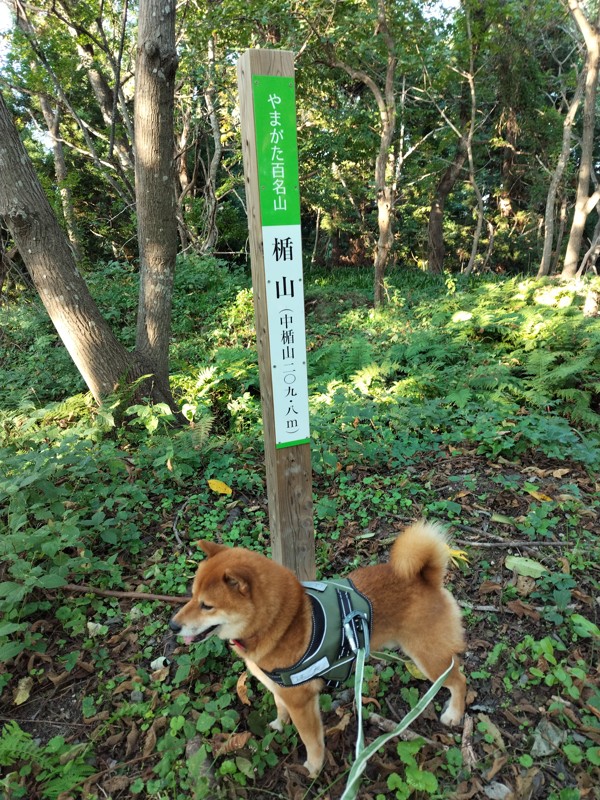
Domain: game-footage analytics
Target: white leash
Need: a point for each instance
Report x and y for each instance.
(363, 754)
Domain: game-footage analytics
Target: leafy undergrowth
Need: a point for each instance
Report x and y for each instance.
(449, 415)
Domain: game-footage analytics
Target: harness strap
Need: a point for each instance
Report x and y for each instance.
(341, 620)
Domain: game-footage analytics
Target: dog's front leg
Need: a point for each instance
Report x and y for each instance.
(283, 715)
(303, 706)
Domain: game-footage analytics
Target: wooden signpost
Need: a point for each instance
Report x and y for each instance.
(268, 124)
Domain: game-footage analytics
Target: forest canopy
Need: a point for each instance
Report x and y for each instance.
(467, 119)
(449, 211)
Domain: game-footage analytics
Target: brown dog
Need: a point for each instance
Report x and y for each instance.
(269, 619)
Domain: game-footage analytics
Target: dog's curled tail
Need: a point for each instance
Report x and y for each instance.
(421, 549)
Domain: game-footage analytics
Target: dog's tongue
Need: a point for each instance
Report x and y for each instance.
(188, 639)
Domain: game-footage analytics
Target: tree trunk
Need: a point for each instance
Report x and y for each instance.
(470, 76)
(386, 104)
(436, 214)
(100, 358)
(60, 170)
(545, 263)
(156, 66)
(584, 204)
(210, 191)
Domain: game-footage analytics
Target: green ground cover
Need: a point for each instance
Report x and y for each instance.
(477, 404)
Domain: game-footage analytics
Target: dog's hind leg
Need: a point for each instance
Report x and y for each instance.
(433, 666)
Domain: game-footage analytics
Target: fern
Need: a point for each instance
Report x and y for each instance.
(358, 356)
(16, 745)
(578, 406)
(575, 369)
(539, 361)
(58, 767)
(201, 432)
(325, 361)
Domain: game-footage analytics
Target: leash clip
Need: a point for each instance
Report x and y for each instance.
(351, 632)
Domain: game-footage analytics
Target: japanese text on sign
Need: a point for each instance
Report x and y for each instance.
(275, 122)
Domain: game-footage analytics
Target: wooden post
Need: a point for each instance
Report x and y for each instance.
(265, 82)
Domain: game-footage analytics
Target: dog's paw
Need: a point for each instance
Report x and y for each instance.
(313, 769)
(277, 725)
(451, 716)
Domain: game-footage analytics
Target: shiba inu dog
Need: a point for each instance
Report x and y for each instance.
(281, 628)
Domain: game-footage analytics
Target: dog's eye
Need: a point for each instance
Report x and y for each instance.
(205, 607)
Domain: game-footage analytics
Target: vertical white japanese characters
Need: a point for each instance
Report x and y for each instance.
(277, 155)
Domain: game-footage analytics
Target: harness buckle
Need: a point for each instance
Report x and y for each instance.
(350, 629)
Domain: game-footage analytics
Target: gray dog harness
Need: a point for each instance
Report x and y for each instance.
(341, 624)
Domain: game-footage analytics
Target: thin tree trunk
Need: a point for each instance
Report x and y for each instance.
(545, 263)
(592, 252)
(52, 118)
(386, 103)
(123, 188)
(470, 76)
(562, 217)
(436, 214)
(210, 191)
(156, 66)
(584, 204)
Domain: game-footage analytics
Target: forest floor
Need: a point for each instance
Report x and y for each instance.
(474, 404)
(531, 725)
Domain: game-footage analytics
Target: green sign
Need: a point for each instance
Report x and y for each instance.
(276, 149)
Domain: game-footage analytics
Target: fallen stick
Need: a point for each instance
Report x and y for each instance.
(165, 598)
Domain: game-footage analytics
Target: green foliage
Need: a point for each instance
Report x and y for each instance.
(473, 371)
(57, 768)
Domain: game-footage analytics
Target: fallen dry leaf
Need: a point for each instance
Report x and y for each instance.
(116, 784)
(413, 670)
(236, 741)
(521, 609)
(219, 487)
(161, 674)
(341, 725)
(499, 763)
(367, 700)
(132, 740)
(492, 730)
(543, 498)
(242, 689)
(114, 740)
(525, 585)
(489, 587)
(23, 691)
(150, 741)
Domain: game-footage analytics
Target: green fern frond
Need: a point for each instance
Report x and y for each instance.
(573, 395)
(201, 432)
(16, 745)
(538, 362)
(358, 356)
(325, 361)
(573, 369)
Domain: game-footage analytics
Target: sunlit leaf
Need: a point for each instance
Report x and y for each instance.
(219, 487)
(458, 555)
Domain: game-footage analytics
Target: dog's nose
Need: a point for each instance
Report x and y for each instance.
(175, 626)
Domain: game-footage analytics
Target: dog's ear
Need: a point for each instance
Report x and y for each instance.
(238, 581)
(210, 548)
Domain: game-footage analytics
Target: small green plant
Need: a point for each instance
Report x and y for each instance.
(56, 768)
(413, 778)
